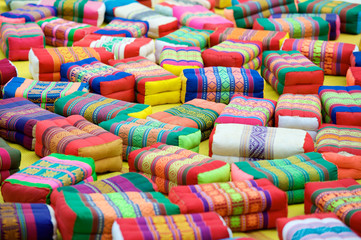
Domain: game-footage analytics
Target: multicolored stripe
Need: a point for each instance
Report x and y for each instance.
(125, 28)
(31, 12)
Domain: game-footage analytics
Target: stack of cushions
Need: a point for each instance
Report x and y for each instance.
(60, 32)
(314, 226)
(291, 72)
(353, 76)
(348, 166)
(271, 40)
(14, 4)
(176, 59)
(34, 183)
(138, 133)
(341, 197)
(102, 79)
(44, 64)
(159, 25)
(339, 139)
(332, 19)
(27, 221)
(91, 216)
(244, 13)
(9, 160)
(219, 84)
(333, 57)
(298, 27)
(122, 27)
(239, 142)
(17, 40)
(248, 110)
(244, 205)
(234, 53)
(81, 11)
(18, 119)
(121, 47)
(189, 226)
(200, 17)
(31, 12)
(172, 166)
(289, 174)
(153, 84)
(7, 72)
(76, 136)
(197, 113)
(96, 108)
(349, 13)
(341, 105)
(43, 94)
(300, 112)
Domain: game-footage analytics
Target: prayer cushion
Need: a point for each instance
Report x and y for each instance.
(31, 12)
(9, 160)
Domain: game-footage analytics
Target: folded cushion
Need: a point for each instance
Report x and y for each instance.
(19, 138)
(9, 160)
(123, 27)
(14, 4)
(31, 12)
(111, 4)
(348, 165)
(353, 76)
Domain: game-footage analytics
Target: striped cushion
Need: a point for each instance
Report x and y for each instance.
(9, 160)
(14, 4)
(123, 27)
(31, 12)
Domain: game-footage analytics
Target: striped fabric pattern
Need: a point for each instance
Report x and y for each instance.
(123, 27)
(31, 12)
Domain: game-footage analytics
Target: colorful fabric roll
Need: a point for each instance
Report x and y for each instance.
(14, 4)
(92, 215)
(195, 226)
(243, 204)
(234, 53)
(123, 27)
(159, 25)
(177, 165)
(298, 27)
(338, 138)
(27, 221)
(138, 133)
(31, 12)
(35, 183)
(239, 142)
(289, 174)
(291, 72)
(333, 57)
(76, 136)
(102, 79)
(43, 94)
(244, 13)
(197, 113)
(176, 59)
(341, 197)
(271, 40)
(17, 39)
(348, 165)
(44, 64)
(341, 104)
(219, 84)
(153, 84)
(332, 19)
(9, 160)
(353, 76)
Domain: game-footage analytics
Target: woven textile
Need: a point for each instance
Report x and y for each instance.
(96, 108)
(219, 84)
(339, 138)
(348, 165)
(332, 18)
(159, 25)
(102, 79)
(9, 160)
(7, 72)
(341, 105)
(92, 215)
(35, 183)
(165, 7)
(197, 226)
(177, 165)
(271, 40)
(332, 57)
(31, 12)
(238, 142)
(43, 94)
(17, 39)
(298, 27)
(138, 133)
(244, 204)
(342, 197)
(11, 20)
(176, 59)
(153, 84)
(123, 27)
(289, 174)
(14, 4)
(197, 113)
(291, 72)
(45, 64)
(349, 13)
(234, 53)
(27, 221)
(353, 76)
